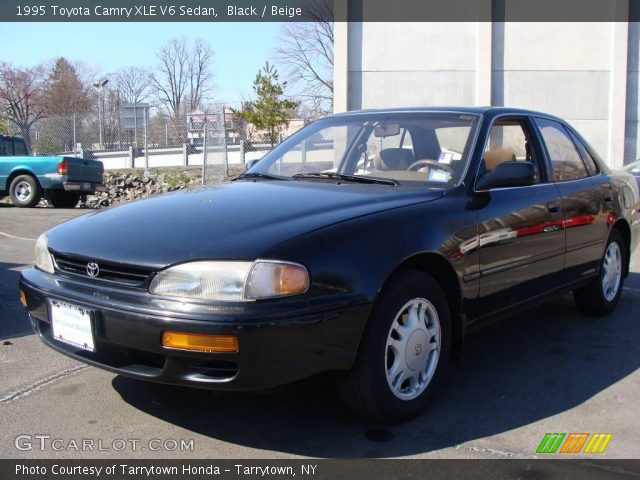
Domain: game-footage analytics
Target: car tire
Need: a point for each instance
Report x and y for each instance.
(25, 191)
(404, 351)
(62, 199)
(601, 295)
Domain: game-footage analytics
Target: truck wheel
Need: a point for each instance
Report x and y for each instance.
(404, 351)
(601, 295)
(62, 199)
(25, 191)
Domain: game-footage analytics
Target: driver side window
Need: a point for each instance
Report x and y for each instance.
(509, 142)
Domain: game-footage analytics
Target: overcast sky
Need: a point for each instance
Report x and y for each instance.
(240, 48)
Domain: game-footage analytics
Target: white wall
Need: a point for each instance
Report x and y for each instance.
(409, 64)
(586, 73)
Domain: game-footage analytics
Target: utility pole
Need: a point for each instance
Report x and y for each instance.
(100, 87)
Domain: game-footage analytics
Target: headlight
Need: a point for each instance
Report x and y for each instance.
(231, 281)
(42, 257)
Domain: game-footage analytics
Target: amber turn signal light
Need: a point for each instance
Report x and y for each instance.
(200, 342)
(23, 298)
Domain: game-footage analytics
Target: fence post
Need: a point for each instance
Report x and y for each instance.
(75, 144)
(146, 143)
(131, 157)
(304, 151)
(204, 153)
(185, 155)
(242, 151)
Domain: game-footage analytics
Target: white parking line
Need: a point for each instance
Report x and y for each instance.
(2, 234)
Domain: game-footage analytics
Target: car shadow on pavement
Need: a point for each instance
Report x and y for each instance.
(14, 321)
(522, 370)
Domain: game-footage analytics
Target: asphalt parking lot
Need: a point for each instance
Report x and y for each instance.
(549, 370)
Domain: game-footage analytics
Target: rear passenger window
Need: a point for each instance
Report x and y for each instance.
(592, 166)
(19, 148)
(565, 159)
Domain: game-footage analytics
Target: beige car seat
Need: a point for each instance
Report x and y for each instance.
(492, 158)
(393, 159)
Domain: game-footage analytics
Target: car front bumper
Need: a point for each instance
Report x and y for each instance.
(276, 347)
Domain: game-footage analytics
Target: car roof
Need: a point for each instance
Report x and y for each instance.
(9, 137)
(487, 110)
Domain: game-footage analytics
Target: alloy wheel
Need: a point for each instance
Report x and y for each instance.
(23, 191)
(611, 271)
(413, 348)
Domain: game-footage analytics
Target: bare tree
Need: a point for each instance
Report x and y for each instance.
(306, 52)
(200, 76)
(183, 77)
(132, 84)
(22, 94)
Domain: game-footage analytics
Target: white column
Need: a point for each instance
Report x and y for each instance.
(617, 94)
(483, 64)
(340, 62)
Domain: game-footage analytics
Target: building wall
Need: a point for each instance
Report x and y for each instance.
(632, 119)
(407, 62)
(586, 73)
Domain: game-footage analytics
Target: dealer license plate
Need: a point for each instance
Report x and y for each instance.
(71, 325)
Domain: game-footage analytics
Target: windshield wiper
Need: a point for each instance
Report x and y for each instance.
(345, 177)
(265, 176)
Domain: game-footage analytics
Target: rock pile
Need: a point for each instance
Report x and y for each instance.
(124, 186)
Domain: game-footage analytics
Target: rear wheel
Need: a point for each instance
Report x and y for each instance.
(25, 191)
(62, 199)
(601, 295)
(404, 351)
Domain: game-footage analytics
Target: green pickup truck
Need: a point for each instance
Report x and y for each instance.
(61, 180)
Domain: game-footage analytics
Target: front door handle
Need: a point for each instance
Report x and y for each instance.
(553, 207)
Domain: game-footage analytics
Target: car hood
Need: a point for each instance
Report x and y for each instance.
(236, 220)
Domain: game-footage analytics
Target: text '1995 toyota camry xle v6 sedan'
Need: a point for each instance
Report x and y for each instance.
(365, 246)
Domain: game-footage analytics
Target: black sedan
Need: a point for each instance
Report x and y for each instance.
(367, 246)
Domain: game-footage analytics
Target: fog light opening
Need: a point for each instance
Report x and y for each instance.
(200, 342)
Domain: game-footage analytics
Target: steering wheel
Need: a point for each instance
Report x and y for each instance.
(418, 164)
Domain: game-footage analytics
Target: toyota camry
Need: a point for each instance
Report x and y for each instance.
(364, 247)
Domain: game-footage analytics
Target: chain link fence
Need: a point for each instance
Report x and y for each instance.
(217, 140)
(631, 150)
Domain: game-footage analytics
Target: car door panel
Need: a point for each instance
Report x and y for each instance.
(520, 229)
(588, 214)
(521, 236)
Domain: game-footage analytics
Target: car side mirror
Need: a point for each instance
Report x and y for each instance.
(251, 163)
(508, 174)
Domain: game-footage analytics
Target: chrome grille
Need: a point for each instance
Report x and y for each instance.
(109, 272)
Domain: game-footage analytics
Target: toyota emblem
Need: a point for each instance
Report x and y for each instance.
(93, 269)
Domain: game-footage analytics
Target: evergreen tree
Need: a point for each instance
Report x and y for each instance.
(269, 112)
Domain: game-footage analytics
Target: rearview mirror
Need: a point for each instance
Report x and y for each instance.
(383, 130)
(508, 174)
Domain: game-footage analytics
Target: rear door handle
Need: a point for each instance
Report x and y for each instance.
(553, 207)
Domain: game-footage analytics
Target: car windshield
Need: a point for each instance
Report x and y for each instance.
(385, 148)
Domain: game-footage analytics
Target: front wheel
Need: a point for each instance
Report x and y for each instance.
(601, 295)
(404, 351)
(25, 191)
